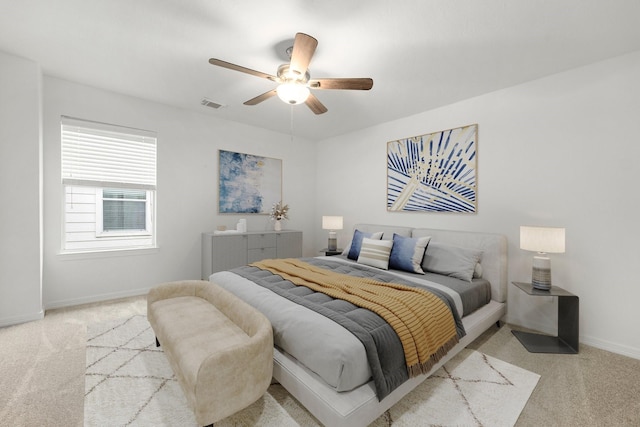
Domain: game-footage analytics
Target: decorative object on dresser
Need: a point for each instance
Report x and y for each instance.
(332, 223)
(542, 240)
(231, 249)
(568, 323)
(241, 226)
(435, 172)
(248, 183)
(279, 211)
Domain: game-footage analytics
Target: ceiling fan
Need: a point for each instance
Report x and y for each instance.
(294, 80)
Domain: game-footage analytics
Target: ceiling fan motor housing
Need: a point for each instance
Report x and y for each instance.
(287, 75)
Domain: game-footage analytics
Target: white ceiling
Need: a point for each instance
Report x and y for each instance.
(421, 54)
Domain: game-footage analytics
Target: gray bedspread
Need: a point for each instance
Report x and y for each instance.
(383, 347)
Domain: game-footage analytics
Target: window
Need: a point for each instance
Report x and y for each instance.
(109, 180)
(123, 211)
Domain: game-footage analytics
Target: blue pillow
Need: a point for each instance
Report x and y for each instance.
(356, 242)
(407, 253)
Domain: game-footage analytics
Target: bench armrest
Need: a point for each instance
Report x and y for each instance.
(232, 370)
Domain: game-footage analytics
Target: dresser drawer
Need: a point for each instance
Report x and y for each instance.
(259, 241)
(227, 251)
(254, 255)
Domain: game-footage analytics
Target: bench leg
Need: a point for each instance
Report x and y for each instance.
(157, 342)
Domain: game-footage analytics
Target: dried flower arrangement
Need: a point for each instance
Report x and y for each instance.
(279, 211)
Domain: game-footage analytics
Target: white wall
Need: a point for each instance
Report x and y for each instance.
(560, 151)
(188, 144)
(20, 195)
(557, 151)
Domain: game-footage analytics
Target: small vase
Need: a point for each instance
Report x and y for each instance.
(277, 225)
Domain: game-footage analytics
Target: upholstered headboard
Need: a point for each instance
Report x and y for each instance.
(493, 247)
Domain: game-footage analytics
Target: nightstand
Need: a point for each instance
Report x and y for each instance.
(327, 252)
(568, 308)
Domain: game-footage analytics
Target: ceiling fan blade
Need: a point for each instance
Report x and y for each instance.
(315, 105)
(351, 84)
(304, 47)
(230, 66)
(258, 99)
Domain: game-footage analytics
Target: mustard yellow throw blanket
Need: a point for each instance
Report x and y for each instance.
(423, 322)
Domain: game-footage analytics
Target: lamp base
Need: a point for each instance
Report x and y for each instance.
(541, 274)
(333, 241)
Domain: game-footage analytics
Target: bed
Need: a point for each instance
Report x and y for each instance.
(325, 367)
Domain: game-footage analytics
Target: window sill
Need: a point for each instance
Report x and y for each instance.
(107, 253)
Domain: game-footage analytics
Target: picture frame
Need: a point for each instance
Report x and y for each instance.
(434, 172)
(248, 183)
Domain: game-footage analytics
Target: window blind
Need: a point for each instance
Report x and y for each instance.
(124, 209)
(101, 155)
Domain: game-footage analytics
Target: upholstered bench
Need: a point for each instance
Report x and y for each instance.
(219, 347)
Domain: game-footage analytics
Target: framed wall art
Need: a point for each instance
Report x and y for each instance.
(435, 172)
(248, 183)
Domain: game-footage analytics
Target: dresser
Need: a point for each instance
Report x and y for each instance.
(230, 250)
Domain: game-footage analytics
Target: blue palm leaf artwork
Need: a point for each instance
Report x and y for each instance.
(248, 183)
(434, 172)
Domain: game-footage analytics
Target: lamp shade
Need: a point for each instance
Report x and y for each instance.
(332, 223)
(293, 93)
(542, 239)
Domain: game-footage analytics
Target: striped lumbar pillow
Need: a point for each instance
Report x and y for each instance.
(375, 253)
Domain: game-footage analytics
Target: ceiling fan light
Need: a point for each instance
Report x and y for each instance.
(293, 93)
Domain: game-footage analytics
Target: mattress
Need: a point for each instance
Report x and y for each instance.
(323, 346)
(361, 407)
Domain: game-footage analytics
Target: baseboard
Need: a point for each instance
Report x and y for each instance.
(610, 346)
(95, 298)
(15, 320)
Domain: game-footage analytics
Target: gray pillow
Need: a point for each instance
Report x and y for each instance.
(451, 260)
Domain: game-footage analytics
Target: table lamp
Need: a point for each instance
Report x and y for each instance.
(332, 223)
(542, 240)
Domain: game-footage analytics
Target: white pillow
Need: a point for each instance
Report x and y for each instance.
(375, 253)
(477, 272)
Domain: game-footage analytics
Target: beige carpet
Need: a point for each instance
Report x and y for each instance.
(33, 356)
(42, 364)
(129, 382)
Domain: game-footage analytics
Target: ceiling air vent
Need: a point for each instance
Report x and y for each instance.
(211, 104)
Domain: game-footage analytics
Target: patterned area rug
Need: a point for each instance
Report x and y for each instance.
(129, 382)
